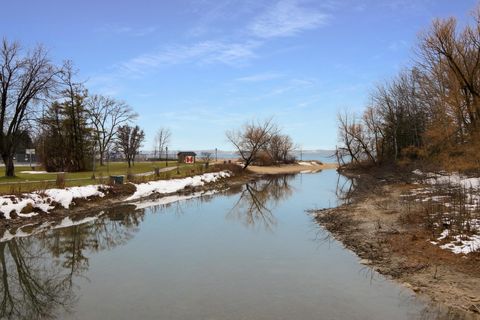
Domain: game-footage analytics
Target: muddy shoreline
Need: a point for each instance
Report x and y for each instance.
(371, 224)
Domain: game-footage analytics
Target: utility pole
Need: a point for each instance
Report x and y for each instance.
(216, 153)
(93, 166)
(166, 156)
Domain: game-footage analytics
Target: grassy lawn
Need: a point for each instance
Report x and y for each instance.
(26, 182)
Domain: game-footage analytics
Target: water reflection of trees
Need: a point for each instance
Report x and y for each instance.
(29, 288)
(258, 198)
(38, 272)
(345, 188)
(70, 245)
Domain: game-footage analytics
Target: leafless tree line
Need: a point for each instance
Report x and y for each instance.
(430, 110)
(37, 94)
(261, 143)
(162, 139)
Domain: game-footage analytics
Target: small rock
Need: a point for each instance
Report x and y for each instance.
(366, 261)
(408, 285)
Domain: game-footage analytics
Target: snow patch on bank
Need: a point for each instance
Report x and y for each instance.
(308, 163)
(37, 172)
(174, 185)
(454, 179)
(45, 200)
(460, 243)
(65, 196)
(463, 238)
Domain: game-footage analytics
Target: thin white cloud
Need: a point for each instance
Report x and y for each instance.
(398, 45)
(205, 52)
(259, 77)
(200, 53)
(291, 85)
(286, 18)
(126, 30)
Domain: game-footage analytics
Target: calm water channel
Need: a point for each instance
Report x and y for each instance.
(245, 253)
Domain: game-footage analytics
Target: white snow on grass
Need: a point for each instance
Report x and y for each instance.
(454, 179)
(308, 163)
(463, 244)
(174, 185)
(302, 163)
(38, 172)
(458, 244)
(440, 186)
(65, 196)
(45, 200)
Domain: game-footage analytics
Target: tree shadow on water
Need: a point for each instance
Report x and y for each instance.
(257, 200)
(38, 274)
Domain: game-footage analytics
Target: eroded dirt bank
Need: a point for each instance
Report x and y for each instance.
(388, 235)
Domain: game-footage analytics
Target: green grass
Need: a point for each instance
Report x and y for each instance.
(25, 182)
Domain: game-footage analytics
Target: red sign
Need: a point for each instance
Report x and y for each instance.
(189, 159)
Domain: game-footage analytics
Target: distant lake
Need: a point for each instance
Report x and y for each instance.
(325, 156)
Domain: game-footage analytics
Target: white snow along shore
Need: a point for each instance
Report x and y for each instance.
(45, 200)
(174, 185)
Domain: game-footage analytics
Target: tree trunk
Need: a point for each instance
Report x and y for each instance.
(101, 157)
(9, 166)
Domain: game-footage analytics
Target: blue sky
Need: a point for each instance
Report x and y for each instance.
(201, 67)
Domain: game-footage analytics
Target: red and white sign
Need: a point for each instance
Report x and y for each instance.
(189, 159)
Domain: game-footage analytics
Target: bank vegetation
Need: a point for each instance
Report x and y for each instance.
(430, 112)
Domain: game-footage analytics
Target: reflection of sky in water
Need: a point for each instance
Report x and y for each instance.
(216, 258)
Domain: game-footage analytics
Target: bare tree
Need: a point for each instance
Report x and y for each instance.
(252, 138)
(162, 139)
(128, 141)
(24, 81)
(107, 115)
(273, 148)
(206, 157)
(280, 148)
(347, 147)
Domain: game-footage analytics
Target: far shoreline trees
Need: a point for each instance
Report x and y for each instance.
(128, 142)
(262, 143)
(44, 102)
(106, 116)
